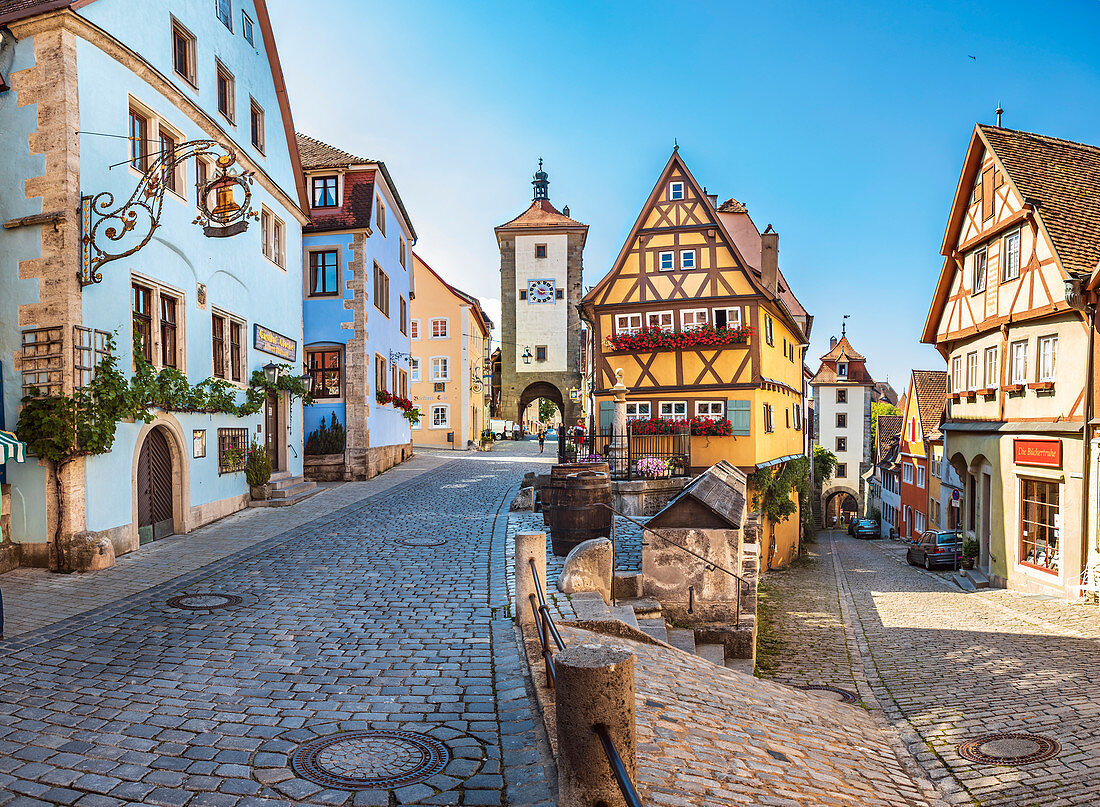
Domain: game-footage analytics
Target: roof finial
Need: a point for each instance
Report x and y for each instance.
(541, 183)
(999, 113)
(844, 325)
(675, 144)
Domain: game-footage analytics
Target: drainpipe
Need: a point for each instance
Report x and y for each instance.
(1076, 298)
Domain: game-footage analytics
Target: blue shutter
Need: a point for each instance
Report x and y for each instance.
(738, 414)
(607, 415)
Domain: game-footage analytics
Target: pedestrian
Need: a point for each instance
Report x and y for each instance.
(834, 522)
(542, 439)
(578, 436)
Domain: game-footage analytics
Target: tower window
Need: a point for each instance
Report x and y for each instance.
(540, 250)
(540, 353)
(676, 191)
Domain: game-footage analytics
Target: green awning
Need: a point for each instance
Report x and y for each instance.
(11, 448)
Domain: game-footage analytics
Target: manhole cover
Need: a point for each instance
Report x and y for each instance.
(842, 695)
(365, 760)
(204, 602)
(1009, 749)
(421, 541)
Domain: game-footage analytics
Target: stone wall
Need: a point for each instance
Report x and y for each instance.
(358, 367)
(645, 497)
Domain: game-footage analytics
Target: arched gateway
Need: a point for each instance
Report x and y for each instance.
(540, 287)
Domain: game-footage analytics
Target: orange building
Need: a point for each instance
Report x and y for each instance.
(449, 334)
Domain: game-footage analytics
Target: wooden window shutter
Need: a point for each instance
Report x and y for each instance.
(607, 415)
(987, 193)
(739, 415)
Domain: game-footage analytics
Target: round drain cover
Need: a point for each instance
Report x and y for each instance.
(1009, 749)
(206, 601)
(421, 540)
(365, 760)
(842, 695)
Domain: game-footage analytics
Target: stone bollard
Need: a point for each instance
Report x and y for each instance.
(595, 685)
(529, 546)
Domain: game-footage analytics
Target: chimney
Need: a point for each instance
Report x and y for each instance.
(832, 342)
(713, 200)
(769, 260)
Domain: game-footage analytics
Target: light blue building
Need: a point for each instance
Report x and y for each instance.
(358, 281)
(91, 94)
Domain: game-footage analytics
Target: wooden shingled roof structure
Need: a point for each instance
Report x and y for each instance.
(930, 387)
(713, 500)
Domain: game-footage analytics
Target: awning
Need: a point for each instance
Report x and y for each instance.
(11, 448)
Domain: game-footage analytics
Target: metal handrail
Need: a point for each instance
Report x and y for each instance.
(618, 768)
(710, 564)
(545, 624)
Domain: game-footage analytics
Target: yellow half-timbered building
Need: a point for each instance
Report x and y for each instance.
(697, 315)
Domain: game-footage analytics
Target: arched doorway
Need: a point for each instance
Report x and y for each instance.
(840, 509)
(155, 504)
(543, 389)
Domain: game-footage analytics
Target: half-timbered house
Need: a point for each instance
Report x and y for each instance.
(697, 315)
(1025, 218)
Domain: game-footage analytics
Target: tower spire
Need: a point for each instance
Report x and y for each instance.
(541, 183)
(844, 325)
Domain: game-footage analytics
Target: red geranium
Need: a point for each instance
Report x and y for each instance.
(654, 338)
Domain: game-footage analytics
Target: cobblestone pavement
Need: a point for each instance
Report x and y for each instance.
(334, 626)
(946, 667)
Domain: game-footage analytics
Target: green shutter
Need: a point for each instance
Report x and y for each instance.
(739, 415)
(607, 415)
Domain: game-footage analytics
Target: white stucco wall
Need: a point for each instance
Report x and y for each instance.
(542, 323)
(855, 408)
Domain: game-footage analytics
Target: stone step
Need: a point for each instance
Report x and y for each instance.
(964, 583)
(741, 665)
(589, 605)
(655, 628)
(644, 607)
(714, 653)
(293, 490)
(278, 476)
(624, 613)
(977, 577)
(286, 501)
(682, 638)
(285, 480)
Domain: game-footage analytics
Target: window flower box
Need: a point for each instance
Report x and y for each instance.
(713, 427)
(703, 336)
(988, 391)
(1012, 388)
(1041, 385)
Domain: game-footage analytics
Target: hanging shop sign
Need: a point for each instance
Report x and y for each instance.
(274, 343)
(1042, 453)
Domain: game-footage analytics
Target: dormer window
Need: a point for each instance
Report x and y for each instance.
(842, 369)
(324, 192)
(676, 191)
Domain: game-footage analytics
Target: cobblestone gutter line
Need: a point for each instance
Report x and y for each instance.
(943, 788)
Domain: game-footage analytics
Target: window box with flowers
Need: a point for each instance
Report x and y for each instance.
(699, 426)
(656, 338)
(409, 410)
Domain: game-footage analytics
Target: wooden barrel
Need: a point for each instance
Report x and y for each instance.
(549, 492)
(577, 515)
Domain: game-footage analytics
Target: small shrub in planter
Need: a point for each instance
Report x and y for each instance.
(970, 552)
(652, 468)
(257, 471)
(327, 439)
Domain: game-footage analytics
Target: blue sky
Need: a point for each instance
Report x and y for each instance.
(843, 125)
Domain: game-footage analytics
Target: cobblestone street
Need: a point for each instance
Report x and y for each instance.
(945, 667)
(378, 606)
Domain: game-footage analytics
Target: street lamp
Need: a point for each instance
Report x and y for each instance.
(527, 355)
(272, 372)
(307, 380)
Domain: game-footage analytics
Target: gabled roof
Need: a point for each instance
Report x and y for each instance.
(930, 387)
(731, 205)
(320, 156)
(1062, 178)
(486, 323)
(886, 392)
(842, 351)
(887, 430)
(12, 10)
(542, 214)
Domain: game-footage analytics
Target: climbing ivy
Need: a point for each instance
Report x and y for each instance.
(771, 490)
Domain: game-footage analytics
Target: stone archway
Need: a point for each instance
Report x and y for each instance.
(544, 389)
(842, 504)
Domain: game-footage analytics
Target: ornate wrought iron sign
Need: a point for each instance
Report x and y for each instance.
(110, 232)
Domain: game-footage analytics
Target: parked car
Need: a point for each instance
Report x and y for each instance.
(866, 528)
(935, 548)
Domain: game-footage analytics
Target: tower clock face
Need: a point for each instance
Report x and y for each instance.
(540, 291)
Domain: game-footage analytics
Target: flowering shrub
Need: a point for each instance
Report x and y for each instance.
(713, 427)
(652, 468)
(654, 338)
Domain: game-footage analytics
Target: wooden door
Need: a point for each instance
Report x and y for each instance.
(273, 431)
(154, 488)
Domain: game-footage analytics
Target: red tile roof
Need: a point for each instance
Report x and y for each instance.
(11, 10)
(930, 387)
(732, 206)
(354, 214)
(842, 351)
(887, 430)
(1063, 179)
(541, 214)
(316, 155)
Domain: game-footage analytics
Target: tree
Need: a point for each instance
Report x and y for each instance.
(547, 408)
(825, 463)
(880, 408)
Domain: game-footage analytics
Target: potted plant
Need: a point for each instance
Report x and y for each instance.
(970, 552)
(257, 471)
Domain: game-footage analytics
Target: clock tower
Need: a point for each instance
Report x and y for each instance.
(540, 287)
